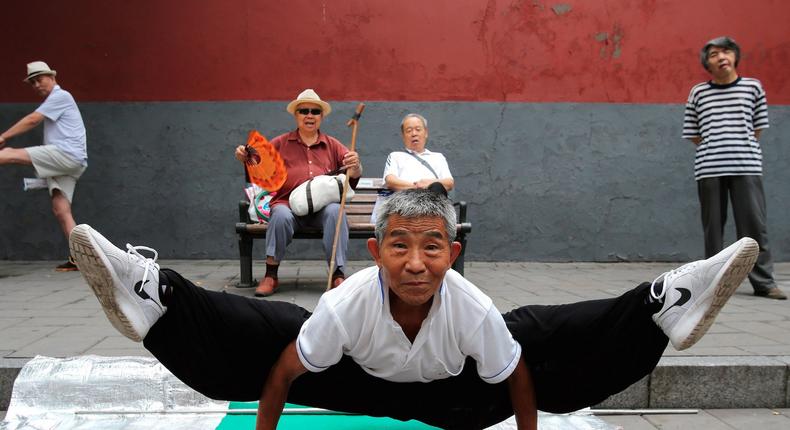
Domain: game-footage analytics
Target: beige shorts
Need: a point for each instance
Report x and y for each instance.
(60, 170)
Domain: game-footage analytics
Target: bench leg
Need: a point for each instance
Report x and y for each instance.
(245, 262)
(458, 265)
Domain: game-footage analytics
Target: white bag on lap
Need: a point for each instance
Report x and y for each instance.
(313, 195)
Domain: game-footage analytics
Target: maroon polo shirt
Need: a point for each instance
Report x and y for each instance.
(305, 162)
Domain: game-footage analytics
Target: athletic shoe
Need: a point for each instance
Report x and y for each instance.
(771, 293)
(695, 293)
(126, 283)
(68, 266)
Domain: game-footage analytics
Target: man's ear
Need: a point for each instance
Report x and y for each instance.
(455, 251)
(373, 248)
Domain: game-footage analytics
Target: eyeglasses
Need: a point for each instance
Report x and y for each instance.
(305, 111)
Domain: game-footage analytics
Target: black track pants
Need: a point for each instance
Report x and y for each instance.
(223, 346)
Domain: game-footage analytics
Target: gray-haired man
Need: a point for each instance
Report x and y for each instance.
(408, 338)
(63, 157)
(724, 118)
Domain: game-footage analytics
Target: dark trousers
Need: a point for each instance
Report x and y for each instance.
(223, 346)
(748, 208)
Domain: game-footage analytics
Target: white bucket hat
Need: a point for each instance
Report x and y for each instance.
(38, 68)
(308, 96)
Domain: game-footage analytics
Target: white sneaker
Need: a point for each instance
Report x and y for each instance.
(126, 283)
(695, 293)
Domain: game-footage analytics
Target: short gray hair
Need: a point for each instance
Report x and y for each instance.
(416, 203)
(725, 42)
(413, 115)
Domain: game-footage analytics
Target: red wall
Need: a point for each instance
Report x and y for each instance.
(623, 51)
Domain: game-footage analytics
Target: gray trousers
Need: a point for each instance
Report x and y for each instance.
(748, 208)
(283, 223)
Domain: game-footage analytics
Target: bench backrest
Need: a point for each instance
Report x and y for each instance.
(360, 208)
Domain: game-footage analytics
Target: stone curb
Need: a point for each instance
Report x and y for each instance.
(724, 382)
(677, 382)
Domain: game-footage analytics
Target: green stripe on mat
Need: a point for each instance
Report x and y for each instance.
(327, 422)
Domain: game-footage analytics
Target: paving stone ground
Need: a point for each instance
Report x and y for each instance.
(43, 312)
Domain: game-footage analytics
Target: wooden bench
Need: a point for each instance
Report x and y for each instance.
(358, 211)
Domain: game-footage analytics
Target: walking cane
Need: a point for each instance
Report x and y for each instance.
(353, 123)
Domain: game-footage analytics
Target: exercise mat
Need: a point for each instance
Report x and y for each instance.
(130, 393)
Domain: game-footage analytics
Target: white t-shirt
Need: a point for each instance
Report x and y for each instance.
(355, 320)
(406, 167)
(63, 126)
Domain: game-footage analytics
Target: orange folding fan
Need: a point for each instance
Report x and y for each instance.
(265, 167)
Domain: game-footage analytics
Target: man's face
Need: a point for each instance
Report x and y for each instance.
(721, 62)
(308, 117)
(413, 257)
(415, 134)
(42, 84)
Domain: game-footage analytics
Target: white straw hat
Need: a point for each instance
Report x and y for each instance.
(308, 96)
(38, 68)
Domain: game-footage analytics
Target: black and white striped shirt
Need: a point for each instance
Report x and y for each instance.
(725, 117)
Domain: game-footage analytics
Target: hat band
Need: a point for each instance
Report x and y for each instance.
(40, 72)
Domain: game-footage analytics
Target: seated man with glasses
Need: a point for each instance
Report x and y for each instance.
(307, 153)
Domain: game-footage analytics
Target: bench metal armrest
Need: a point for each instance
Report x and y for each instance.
(461, 205)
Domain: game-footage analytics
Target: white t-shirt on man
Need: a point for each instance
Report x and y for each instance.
(355, 320)
(63, 126)
(406, 167)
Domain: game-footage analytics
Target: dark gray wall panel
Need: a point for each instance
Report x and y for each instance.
(546, 182)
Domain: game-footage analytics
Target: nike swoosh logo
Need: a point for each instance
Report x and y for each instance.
(138, 288)
(685, 296)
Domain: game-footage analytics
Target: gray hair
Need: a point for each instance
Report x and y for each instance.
(416, 203)
(413, 115)
(725, 42)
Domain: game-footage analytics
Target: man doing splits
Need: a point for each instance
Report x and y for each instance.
(408, 338)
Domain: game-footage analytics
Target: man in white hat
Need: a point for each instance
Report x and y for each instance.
(63, 157)
(307, 153)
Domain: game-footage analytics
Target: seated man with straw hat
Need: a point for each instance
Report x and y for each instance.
(307, 153)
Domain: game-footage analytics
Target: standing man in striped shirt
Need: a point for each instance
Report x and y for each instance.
(724, 118)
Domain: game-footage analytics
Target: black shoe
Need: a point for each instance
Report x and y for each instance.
(771, 293)
(68, 266)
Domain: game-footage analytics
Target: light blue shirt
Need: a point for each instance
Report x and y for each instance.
(63, 126)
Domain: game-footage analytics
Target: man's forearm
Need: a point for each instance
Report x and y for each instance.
(395, 183)
(272, 401)
(522, 396)
(275, 391)
(23, 125)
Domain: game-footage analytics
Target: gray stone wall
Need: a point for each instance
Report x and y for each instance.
(545, 182)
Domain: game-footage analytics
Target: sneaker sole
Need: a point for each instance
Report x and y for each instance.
(727, 281)
(98, 272)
